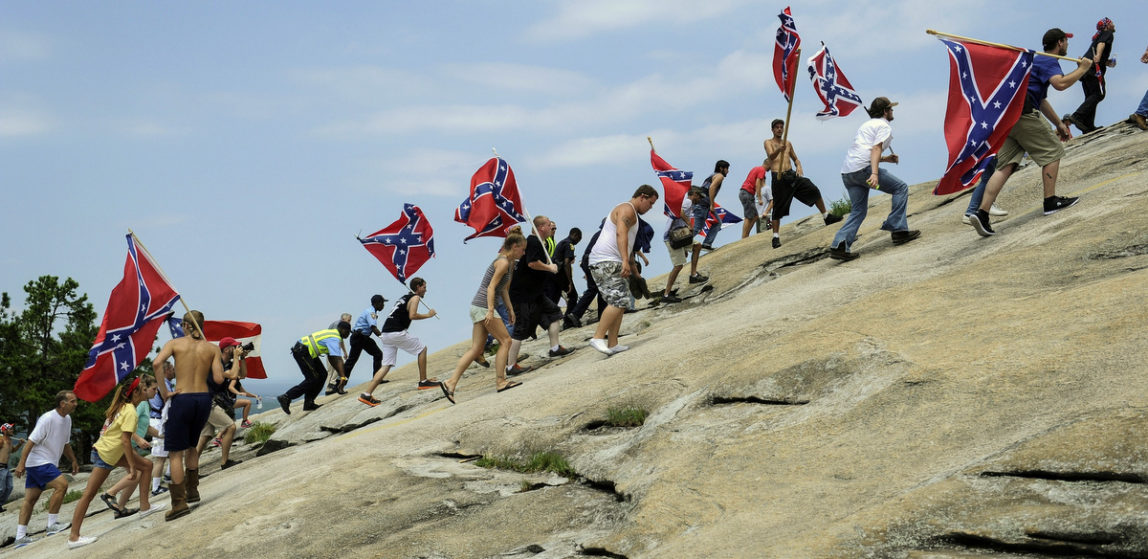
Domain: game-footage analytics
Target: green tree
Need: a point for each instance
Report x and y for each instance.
(43, 350)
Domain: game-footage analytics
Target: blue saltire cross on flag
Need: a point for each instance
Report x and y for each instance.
(831, 86)
(137, 307)
(494, 205)
(405, 245)
(986, 95)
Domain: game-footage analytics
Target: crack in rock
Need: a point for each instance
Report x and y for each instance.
(1055, 548)
(1070, 476)
(723, 400)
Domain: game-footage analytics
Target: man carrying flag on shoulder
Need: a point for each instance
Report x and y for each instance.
(1031, 134)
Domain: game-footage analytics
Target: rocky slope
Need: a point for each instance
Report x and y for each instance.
(953, 397)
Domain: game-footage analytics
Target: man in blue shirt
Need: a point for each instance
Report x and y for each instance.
(1031, 133)
(365, 325)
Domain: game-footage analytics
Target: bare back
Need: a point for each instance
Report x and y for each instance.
(194, 360)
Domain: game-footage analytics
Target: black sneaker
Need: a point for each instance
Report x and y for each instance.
(311, 406)
(671, 299)
(285, 403)
(229, 463)
(831, 219)
(1054, 204)
(560, 352)
(902, 237)
(698, 278)
(331, 389)
(980, 222)
(423, 385)
(841, 254)
(708, 248)
(777, 242)
(518, 370)
(371, 400)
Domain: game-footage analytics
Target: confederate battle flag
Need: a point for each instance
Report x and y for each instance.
(405, 245)
(785, 53)
(494, 205)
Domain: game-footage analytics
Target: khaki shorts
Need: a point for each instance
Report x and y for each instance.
(678, 256)
(1031, 134)
(216, 422)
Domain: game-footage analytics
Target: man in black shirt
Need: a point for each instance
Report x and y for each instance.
(395, 337)
(1099, 51)
(531, 306)
(561, 284)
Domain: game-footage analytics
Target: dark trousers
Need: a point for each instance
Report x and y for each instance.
(314, 374)
(359, 343)
(1085, 115)
(589, 295)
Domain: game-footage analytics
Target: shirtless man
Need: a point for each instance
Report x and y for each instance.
(788, 184)
(189, 407)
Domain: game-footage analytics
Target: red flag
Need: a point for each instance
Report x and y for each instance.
(987, 88)
(137, 307)
(405, 245)
(785, 53)
(675, 184)
(244, 333)
(494, 205)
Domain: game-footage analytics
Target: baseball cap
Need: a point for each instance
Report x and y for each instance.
(227, 342)
(1053, 36)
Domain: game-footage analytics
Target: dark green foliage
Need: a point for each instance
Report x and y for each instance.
(841, 207)
(42, 351)
(259, 433)
(626, 417)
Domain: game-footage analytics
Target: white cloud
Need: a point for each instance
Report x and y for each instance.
(521, 77)
(582, 18)
(23, 122)
(16, 46)
(440, 172)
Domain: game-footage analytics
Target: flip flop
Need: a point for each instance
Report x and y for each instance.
(448, 395)
(509, 385)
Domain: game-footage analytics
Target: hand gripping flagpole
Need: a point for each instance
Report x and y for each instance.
(183, 302)
(529, 219)
(1000, 45)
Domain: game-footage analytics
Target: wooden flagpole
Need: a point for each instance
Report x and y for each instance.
(1000, 45)
(165, 278)
(529, 219)
(788, 112)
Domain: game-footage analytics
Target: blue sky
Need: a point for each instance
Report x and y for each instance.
(248, 143)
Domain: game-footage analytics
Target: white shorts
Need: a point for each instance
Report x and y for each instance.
(394, 341)
(157, 448)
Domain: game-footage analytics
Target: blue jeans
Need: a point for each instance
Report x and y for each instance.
(1142, 110)
(859, 198)
(979, 191)
(5, 485)
(700, 212)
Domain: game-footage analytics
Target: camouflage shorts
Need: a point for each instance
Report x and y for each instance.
(611, 285)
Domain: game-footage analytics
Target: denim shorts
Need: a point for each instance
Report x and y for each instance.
(99, 462)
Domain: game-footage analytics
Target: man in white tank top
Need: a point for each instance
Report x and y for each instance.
(610, 265)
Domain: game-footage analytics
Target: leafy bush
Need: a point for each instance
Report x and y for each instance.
(259, 433)
(841, 207)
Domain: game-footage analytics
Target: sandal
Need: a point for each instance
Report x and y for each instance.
(508, 386)
(111, 503)
(449, 395)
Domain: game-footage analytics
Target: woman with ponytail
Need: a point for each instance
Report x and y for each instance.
(114, 448)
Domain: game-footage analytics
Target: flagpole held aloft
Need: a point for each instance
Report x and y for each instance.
(159, 269)
(785, 131)
(1000, 45)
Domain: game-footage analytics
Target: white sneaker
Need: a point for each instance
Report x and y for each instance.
(965, 219)
(23, 541)
(154, 509)
(600, 345)
(994, 210)
(81, 542)
(619, 348)
(58, 527)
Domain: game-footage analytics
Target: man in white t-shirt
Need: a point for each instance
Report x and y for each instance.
(861, 172)
(40, 459)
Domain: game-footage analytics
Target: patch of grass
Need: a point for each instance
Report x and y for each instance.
(841, 207)
(626, 417)
(538, 462)
(71, 496)
(259, 433)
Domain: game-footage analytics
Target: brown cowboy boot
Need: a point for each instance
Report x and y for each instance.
(178, 503)
(191, 482)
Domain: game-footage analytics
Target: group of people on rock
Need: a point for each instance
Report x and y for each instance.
(181, 413)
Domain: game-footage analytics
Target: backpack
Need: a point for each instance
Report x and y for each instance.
(681, 236)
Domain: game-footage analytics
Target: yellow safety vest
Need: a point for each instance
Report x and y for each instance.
(312, 342)
(550, 244)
